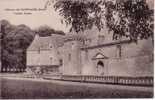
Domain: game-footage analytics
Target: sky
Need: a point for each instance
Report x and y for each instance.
(37, 18)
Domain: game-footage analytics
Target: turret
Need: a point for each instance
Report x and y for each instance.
(72, 54)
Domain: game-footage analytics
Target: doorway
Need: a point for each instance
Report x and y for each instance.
(100, 67)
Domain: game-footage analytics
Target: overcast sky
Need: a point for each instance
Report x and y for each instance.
(37, 18)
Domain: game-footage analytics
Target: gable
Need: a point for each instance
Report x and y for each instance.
(99, 56)
(40, 43)
(46, 43)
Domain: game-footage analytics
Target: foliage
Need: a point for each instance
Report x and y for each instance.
(130, 18)
(47, 31)
(81, 15)
(15, 41)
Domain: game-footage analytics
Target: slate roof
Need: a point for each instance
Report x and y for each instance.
(40, 43)
(72, 37)
(45, 43)
(58, 40)
(107, 44)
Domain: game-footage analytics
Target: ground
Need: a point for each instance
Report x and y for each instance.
(19, 88)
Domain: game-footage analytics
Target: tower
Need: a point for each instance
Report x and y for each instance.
(72, 54)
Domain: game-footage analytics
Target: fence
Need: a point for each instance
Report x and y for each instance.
(145, 81)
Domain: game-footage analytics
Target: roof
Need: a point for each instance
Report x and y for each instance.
(40, 43)
(72, 37)
(45, 43)
(107, 44)
(58, 40)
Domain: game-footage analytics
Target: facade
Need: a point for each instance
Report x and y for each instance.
(119, 59)
(0, 51)
(93, 53)
(96, 54)
(43, 54)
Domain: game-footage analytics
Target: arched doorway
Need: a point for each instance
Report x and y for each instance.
(100, 63)
(100, 67)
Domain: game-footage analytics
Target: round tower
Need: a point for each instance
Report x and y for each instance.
(72, 54)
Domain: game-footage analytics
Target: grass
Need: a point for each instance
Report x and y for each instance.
(26, 89)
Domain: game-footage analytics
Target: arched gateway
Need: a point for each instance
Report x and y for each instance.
(99, 58)
(100, 68)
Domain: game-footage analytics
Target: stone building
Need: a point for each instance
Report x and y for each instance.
(43, 53)
(95, 53)
(0, 50)
(92, 53)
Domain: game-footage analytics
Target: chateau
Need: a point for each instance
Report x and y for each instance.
(92, 53)
(43, 52)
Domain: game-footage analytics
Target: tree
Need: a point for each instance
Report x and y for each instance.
(130, 18)
(5, 27)
(15, 41)
(47, 31)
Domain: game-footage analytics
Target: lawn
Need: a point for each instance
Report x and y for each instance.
(29, 89)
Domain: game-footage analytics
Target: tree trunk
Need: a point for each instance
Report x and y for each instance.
(2, 48)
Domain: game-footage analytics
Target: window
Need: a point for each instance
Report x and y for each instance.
(73, 45)
(50, 45)
(39, 50)
(61, 62)
(101, 39)
(51, 60)
(69, 56)
(86, 54)
(119, 51)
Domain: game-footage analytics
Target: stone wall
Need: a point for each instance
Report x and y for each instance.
(135, 59)
(72, 58)
(135, 66)
(44, 57)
